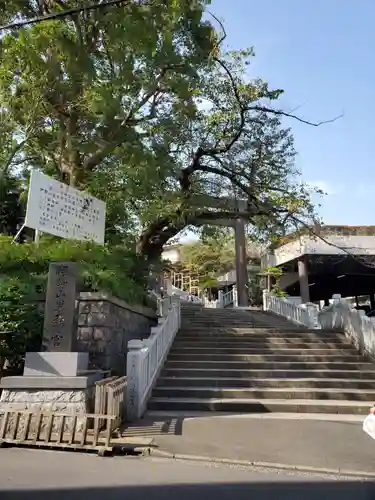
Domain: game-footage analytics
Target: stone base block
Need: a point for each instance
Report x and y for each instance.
(71, 396)
(55, 364)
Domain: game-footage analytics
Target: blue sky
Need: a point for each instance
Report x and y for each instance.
(322, 53)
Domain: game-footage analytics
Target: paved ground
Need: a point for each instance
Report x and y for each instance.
(307, 441)
(48, 475)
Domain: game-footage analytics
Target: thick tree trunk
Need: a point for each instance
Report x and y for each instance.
(153, 238)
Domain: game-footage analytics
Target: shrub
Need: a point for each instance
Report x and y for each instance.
(23, 277)
(20, 321)
(115, 270)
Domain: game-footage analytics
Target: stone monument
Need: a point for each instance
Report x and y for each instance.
(56, 379)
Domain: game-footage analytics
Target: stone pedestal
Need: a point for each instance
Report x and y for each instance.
(67, 395)
(55, 364)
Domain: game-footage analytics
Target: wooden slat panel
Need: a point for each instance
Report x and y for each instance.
(60, 430)
(73, 432)
(25, 431)
(4, 425)
(84, 431)
(16, 423)
(39, 421)
(96, 431)
(108, 432)
(49, 427)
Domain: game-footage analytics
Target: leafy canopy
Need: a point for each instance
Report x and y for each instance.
(141, 105)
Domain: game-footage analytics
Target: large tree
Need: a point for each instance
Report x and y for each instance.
(106, 78)
(139, 104)
(12, 142)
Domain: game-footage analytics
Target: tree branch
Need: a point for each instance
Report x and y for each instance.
(279, 112)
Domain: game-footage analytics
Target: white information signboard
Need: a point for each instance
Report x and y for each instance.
(56, 208)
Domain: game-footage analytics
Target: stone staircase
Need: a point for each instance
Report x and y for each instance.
(252, 361)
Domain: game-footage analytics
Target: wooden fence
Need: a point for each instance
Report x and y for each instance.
(101, 398)
(79, 431)
(56, 430)
(116, 402)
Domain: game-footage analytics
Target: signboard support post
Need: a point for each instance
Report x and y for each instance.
(18, 234)
(37, 237)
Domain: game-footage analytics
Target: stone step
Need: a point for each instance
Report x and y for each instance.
(224, 323)
(245, 333)
(224, 382)
(269, 365)
(300, 393)
(254, 374)
(260, 406)
(331, 356)
(238, 347)
(292, 351)
(257, 343)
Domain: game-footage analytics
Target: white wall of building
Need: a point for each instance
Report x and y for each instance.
(171, 254)
(331, 245)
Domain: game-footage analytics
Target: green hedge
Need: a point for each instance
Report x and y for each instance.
(23, 277)
(114, 270)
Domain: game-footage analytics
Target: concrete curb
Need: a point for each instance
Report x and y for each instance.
(262, 465)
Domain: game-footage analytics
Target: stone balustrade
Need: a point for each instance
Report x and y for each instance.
(146, 358)
(358, 327)
(300, 314)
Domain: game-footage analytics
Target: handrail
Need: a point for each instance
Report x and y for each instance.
(228, 298)
(301, 314)
(146, 358)
(223, 300)
(186, 296)
(210, 304)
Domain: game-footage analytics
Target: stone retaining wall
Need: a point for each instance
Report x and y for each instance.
(105, 325)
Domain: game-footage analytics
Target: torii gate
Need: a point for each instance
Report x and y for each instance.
(204, 201)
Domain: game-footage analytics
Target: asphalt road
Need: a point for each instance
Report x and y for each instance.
(33, 475)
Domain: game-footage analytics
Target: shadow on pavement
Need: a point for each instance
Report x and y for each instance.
(171, 426)
(301, 490)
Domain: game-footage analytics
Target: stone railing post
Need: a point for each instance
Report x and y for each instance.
(159, 310)
(134, 378)
(336, 298)
(235, 296)
(221, 299)
(313, 311)
(177, 302)
(265, 300)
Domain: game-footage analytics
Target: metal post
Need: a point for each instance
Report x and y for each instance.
(18, 233)
(37, 237)
(241, 263)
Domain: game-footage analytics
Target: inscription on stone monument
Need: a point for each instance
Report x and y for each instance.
(59, 314)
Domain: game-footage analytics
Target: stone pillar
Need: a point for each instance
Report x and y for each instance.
(268, 283)
(221, 299)
(303, 280)
(59, 332)
(135, 381)
(241, 263)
